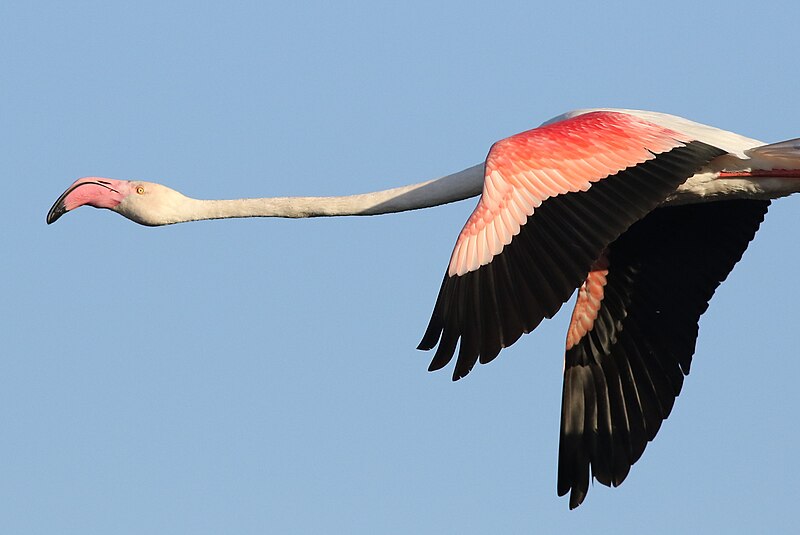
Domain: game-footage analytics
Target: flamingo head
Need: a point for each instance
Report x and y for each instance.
(146, 203)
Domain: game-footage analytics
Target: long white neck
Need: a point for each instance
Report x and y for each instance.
(451, 188)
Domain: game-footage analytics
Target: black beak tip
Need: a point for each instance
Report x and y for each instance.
(55, 212)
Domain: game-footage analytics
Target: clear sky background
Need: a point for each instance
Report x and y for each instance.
(260, 376)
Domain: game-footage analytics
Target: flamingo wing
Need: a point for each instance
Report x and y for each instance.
(633, 333)
(553, 199)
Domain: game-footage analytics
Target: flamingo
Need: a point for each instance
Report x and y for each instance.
(644, 213)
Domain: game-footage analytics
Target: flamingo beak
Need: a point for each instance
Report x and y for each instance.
(99, 193)
(58, 209)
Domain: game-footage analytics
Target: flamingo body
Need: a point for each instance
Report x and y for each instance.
(644, 213)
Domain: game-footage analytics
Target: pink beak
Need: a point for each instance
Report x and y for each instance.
(97, 192)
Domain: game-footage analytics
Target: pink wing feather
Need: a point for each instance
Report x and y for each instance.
(525, 170)
(590, 297)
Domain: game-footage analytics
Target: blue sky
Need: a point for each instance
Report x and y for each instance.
(260, 376)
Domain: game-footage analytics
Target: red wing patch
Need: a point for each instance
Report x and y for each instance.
(525, 170)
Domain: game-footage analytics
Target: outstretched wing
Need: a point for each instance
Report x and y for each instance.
(553, 199)
(633, 333)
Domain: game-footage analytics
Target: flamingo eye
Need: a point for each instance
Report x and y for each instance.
(140, 190)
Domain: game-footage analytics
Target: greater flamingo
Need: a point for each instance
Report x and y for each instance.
(644, 213)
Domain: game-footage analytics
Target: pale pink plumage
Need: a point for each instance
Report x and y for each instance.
(587, 305)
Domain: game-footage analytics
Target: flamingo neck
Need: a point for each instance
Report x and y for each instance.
(451, 188)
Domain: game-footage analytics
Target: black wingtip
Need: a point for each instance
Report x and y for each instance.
(429, 341)
(576, 498)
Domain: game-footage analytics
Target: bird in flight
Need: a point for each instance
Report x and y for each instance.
(644, 213)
